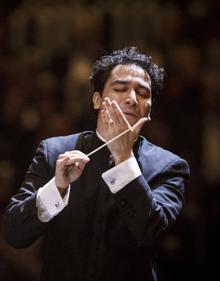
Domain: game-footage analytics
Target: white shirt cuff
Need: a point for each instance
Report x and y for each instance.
(121, 175)
(49, 201)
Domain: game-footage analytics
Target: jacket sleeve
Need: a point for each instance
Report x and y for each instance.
(148, 210)
(21, 226)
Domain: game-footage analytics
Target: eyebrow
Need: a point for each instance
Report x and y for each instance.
(125, 82)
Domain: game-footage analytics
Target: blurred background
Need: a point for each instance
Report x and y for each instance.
(46, 53)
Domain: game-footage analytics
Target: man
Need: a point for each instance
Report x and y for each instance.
(102, 216)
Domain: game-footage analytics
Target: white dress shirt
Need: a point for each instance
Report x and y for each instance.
(50, 203)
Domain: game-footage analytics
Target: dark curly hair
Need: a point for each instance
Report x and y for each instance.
(129, 55)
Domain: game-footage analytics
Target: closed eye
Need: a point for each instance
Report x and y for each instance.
(120, 89)
(143, 93)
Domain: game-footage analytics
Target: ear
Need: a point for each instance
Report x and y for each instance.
(97, 100)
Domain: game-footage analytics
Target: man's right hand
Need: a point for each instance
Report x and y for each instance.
(69, 167)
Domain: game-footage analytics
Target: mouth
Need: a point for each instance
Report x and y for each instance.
(130, 115)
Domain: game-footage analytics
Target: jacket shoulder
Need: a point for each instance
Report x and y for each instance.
(61, 144)
(158, 159)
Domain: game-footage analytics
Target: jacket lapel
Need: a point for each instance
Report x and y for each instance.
(144, 158)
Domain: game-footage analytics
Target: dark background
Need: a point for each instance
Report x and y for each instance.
(46, 52)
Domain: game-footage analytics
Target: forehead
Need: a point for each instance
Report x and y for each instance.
(130, 72)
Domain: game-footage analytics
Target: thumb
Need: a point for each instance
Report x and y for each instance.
(139, 124)
(82, 163)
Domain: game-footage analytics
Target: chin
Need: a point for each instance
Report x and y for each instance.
(132, 120)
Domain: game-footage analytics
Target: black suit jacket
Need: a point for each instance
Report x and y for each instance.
(99, 235)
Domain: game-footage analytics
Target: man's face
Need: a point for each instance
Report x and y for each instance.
(130, 87)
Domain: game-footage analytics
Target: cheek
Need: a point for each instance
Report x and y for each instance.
(108, 94)
(114, 96)
(145, 108)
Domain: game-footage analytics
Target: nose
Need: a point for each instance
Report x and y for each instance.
(132, 98)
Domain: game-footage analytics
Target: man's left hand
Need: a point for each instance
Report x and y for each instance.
(114, 122)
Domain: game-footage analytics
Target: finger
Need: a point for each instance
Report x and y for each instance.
(62, 156)
(81, 164)
(71, 153)
(74, 153)
(120, 115)
(107, 119)
(139, 124)
(112, 117)
(104, 122)
(62, 162)
(75, 159)
(107, 115)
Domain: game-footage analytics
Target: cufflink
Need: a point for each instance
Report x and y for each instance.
(57, 204)
(112, 181)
